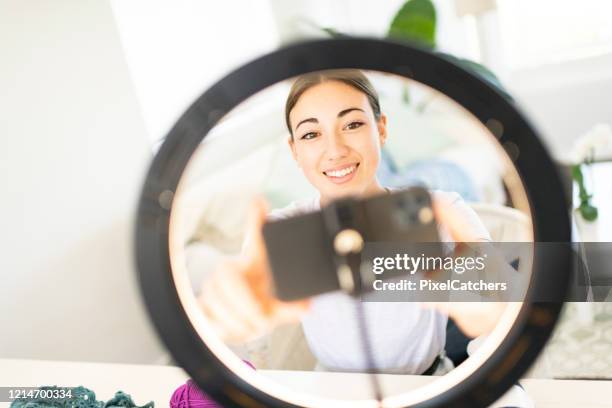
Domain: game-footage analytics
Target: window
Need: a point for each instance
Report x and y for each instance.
(536, 32)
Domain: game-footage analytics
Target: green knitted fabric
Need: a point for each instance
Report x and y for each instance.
(124, 400)
(81, 398)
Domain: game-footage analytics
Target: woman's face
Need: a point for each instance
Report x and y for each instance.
(336, 140)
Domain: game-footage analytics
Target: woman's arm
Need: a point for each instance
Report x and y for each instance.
(464, 225)
(237, 299)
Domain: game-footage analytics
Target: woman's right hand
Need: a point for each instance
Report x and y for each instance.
(238, 298)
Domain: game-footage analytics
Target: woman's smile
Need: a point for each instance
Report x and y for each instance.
(341, 174)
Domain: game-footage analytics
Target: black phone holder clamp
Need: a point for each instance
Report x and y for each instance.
(345, 224)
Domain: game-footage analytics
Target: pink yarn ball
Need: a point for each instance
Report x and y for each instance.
(189, 395)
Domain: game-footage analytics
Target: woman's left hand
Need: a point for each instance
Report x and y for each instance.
(463, 225)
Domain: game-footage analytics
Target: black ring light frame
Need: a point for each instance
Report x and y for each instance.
(534, 321)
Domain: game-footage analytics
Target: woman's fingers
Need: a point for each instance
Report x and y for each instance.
(460, 220)
(241, 303)
(446, 215)
(231, 306)
(238, 299)
(289, 312)
(237, 315)
(254, 257)
(254, 247)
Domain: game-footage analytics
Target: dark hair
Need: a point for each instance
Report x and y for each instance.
(351, 77)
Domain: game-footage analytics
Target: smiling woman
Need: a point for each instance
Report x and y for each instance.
(337, 130)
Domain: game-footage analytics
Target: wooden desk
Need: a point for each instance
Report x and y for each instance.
(157, 383)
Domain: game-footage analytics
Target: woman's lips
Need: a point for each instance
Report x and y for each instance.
(342, 174)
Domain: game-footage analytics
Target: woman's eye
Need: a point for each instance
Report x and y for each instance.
(308, 136)
(354, 125)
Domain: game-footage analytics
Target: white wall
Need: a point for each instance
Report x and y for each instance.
(175, 50)
(73, 151)
(565, 99)
(556, 60)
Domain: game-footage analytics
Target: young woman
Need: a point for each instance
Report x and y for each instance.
(336, 132)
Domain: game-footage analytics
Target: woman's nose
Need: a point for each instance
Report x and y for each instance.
(336, 147)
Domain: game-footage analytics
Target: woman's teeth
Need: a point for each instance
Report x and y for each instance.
(341, 173)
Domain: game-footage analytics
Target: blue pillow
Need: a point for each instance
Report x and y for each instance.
(435, 174)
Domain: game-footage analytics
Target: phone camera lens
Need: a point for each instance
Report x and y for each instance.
(414, 218)
(404, 217)
(420, 199)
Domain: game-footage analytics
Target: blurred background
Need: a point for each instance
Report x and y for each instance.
(90, 89)
(548, 54)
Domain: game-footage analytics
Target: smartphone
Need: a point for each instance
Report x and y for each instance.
(301, 250)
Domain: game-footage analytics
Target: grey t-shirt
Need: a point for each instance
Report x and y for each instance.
(405, 337)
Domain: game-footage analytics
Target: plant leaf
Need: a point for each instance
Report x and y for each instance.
(577, 173)
(415, 21)
(588, 211)
(333, 33)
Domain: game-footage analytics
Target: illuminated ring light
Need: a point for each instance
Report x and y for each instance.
(550, 217)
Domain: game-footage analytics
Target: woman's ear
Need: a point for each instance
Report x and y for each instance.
(291, 144)
(382, 128)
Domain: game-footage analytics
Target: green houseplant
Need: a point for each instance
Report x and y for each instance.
(416, 22)
(596, 142)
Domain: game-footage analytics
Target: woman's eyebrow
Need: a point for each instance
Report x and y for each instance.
(311, 120)
(340, 114)
(345, 111)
